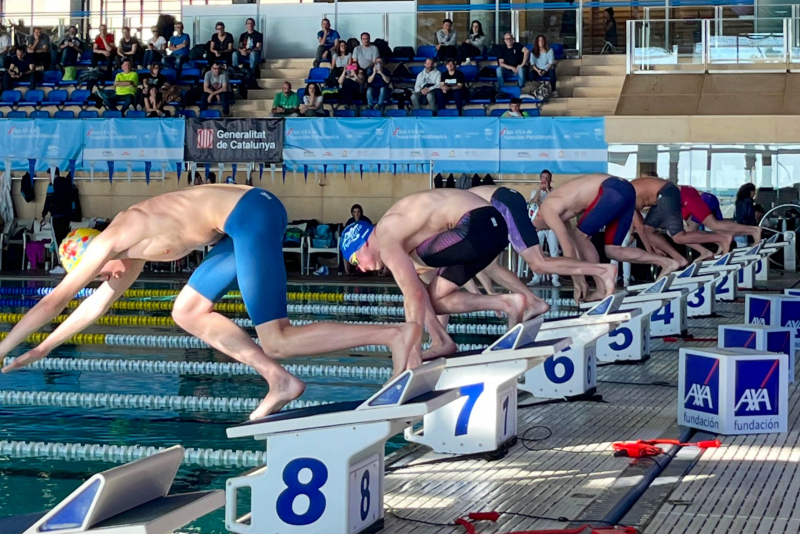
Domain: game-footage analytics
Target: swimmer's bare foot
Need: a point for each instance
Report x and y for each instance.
(726, 244)
(439, 349)
(707, 255)
(609, 279)
(535, 308)
(406, 348)
(669, 266)
(283, 389)
(580, 288)
(757, 238)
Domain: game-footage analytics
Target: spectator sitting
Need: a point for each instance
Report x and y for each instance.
(543, 63)
(341, 58)
(446, 41)
(250, 44)
(356, 214)
(216, 89)
(20, 68)
(351, 85)
(379, 81)
(70, 49)
(473, 46)
(220, 47)
(427, 85)
(39, 48)
(365, 54)
(328, 42)
(128, 47)
(312, 101)
(514, 110)
(103, 49)
(513, 56)
(155, 49)
(179, 45)
(286, 103)
(759, 211)
(6, 47)
(153, 87)
(451, 88)
(125, 87)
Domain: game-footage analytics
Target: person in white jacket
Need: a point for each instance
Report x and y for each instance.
(426, 85)
(549, 236)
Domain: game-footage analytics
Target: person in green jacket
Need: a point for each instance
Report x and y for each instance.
(515, 111)
(286, 103)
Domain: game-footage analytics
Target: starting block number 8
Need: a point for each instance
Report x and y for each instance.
(295, 488)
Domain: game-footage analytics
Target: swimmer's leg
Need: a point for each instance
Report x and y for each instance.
(607, 274)
(637, 255)
(534, 306)
(731, 227)
(660, 243)
(723, 241)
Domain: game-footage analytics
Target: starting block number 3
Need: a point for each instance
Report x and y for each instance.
(303, 502)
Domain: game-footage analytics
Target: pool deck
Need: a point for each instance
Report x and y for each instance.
(748, 485)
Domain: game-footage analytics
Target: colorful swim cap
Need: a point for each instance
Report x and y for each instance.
(354, 237)
(74, 245)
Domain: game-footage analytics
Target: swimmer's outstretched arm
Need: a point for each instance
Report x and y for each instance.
(84, 315)
(95, 257)
(641, 229)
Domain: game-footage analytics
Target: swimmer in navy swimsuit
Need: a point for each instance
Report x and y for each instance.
(598, 200)
(441, 238)
(665, 215)
(246, 225)
(696, 209)
(523, 237)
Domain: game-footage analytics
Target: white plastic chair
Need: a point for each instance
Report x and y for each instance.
(310, 249)
(298, 250)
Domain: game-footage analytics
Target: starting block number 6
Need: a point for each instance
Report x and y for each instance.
(551, 365)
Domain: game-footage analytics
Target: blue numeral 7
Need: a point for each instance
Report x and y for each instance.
(471, 393)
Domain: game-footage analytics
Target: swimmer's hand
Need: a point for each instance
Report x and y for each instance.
(28, 358)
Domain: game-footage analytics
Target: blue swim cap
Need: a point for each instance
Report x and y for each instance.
(354, 237)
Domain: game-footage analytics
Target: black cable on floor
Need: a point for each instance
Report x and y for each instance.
(658, 383)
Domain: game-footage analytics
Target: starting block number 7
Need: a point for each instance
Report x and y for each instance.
(471, 393)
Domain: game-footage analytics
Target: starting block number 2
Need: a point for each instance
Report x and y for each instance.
(303, 502)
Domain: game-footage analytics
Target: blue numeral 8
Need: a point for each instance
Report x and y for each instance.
(294, 488)
(365, 497)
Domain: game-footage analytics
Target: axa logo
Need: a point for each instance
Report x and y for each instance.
(702, 384)
(503, 132)
(289, 131)
(12, 129)
(758, 320)
(757, 387)
(395, 132)
(793, 324)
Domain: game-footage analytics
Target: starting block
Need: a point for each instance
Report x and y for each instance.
(668, 320)
(325, 464)
(485, 421)
(733, 391)
(128, 499)
(701, 299)
(759, 337)
(726, 286)
(573, 371)
(774, 310)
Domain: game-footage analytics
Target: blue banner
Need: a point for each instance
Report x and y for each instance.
(562, 145)
(50, 142)
(335, 142)
(465, 144)
(133, 141)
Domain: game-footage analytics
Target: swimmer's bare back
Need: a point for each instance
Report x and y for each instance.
(572, 198)
(422, 215)
(647, 189)
(170, 226)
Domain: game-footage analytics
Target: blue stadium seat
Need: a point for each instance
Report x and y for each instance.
(55, 97)
(64, 114)
(86, 58)
(425, 52)
(448, 113)
(78, 98)
(112, 114)
(135, 114)
(416, 69)
(188, 114)
(370, 113)
(422, 113)
(88, 114)
(10, 98)
(51, 78)
(474, 112)
(40, 114)
(318, 75)
(301, 93)
(17, 115)
(190, 76)
(470, 72)
(344, 113)
(533, 112)
(210, 114)
(497, 112)
(33, 97)
(1, 115)
(513, 91)
(171, 75)
(396, 113)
